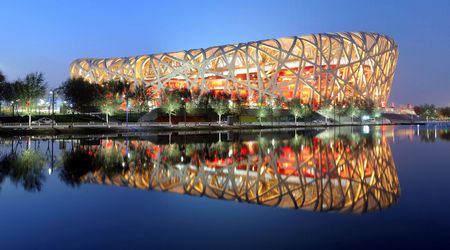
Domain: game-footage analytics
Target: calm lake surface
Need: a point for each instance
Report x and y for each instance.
(360, 188)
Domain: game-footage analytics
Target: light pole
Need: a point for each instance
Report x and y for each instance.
(126, 109)
(12, 106)
(71, 107)
(53, 107)
(184, 111)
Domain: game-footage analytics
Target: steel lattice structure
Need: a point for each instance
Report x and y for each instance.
(321, 68)
(318, 175)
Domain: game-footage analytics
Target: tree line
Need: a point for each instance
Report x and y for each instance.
(112, 96)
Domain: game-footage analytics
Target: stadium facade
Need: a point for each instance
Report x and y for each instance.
(331, 68)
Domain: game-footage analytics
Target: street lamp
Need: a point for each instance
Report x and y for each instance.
(71, 107)
(12, 106)
(184, 111)
(126, 109)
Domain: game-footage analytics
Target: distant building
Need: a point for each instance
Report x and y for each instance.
(334, 68)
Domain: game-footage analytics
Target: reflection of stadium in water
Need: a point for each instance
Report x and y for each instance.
(321, 173)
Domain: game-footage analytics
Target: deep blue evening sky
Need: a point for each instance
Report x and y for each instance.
(47, 35)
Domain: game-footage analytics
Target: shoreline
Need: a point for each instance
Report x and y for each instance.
(102, 129)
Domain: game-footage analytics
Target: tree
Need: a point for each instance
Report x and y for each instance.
(3, 88)
(262, 112)
(204, 100)
(220, 104)
(367, 107)
(445, 112)
(2, 77)
(11, 93)
(140, 96)
(306, 111)
(277, 107)
(353, 111)
(191, 107)
(340, 110)
(326, 110)
(82, 95)
(295, 107)
(29, 90)
(171, 105)
(426, 110)
(237, 106)
(113, 94)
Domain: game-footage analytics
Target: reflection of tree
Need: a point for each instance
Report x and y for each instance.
(220, 149)
(336, 173)
(444, 135)
(171, 153)
(25, 169)
(76, 164)
(84, 160)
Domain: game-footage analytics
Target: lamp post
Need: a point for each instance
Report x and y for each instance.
(53, 107)
(71, 107)
(126, 109)
(184, 111)
(12, 106)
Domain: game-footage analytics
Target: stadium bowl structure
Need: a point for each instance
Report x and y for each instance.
(332, 68)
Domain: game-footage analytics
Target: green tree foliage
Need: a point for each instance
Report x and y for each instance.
(204, 100)
(296, 108)
(191, 107)
(353, 111)
(171, 105)
(263, 112)
(140, 96)
(25, 169)
(2, 77)
(3, 88)
(113, 95)
(326, 110)
(445, 112)
(426, 110)
(82, 95)
(220, 104)
(236, 107)
(367, 107)
(29, 90)
(277, 107)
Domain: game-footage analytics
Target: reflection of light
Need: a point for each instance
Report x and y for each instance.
(182, 158)
(123, 164)
(366, 129)
(49, 171)
(230, 153)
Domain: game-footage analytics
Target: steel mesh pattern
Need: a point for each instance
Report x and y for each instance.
(320, 176)
(320, 68)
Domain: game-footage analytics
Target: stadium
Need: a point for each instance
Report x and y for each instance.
(330, 68)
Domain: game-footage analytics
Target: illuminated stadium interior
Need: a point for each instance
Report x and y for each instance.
(332, 68)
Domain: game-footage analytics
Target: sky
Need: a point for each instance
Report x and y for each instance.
(47, 35)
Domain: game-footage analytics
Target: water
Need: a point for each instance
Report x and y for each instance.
(369, 187)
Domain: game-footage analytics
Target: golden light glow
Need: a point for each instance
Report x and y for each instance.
(309, 173)
(334, 67)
